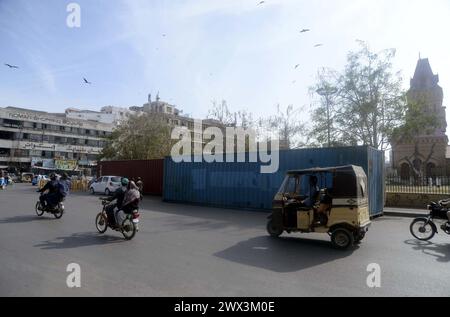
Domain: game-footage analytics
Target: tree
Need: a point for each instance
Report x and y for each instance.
(142, 136)
(324, 131)
(221, 113)
(417, 122)
(288, 127)
(369, 102)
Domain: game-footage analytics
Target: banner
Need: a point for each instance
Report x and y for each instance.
(68, 165)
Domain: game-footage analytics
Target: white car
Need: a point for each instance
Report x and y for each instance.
(105, 185)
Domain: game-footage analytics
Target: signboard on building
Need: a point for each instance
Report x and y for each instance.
(48, 163)
(36, 161)
(66, 165)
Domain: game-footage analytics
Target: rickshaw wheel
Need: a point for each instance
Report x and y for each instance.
(273, 230)
(342, 238)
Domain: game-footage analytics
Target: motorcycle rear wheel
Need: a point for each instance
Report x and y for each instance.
(58, 214)
(421, 229)
(128, 229)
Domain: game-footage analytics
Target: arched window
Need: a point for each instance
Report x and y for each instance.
(431, 170)
(404, 171)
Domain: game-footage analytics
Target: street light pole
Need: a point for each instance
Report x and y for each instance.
(326, 92)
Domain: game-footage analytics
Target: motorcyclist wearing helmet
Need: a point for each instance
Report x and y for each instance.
(118, 196)
(52, 197)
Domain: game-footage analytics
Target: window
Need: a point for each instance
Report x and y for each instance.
(292, 185)
(27, 124)
(12, 123)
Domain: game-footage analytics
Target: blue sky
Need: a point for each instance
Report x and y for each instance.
(235, 50)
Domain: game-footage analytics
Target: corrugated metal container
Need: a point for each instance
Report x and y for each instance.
(151, 172)
(241, 185)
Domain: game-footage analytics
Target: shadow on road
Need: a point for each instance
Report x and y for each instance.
(440, 251)
(283, 255)
(24, 219)
(78, 240)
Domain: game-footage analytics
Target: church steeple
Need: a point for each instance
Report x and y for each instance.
(426, 93)
(423, 75)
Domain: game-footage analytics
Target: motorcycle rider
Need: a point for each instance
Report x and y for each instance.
(118, 196)
(132, 198)
(53, 196)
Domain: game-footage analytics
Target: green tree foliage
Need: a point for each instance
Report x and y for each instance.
(368, 104)
(143, 136)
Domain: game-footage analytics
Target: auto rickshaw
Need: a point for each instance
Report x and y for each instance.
(323, 200)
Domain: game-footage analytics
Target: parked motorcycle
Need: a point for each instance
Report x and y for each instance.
(57, 211)
(127, 224)
(424, 228)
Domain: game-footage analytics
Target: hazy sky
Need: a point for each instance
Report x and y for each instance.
(229, 49)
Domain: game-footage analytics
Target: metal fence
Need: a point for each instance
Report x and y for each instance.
(418, 185)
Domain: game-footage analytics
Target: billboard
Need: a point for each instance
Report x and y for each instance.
(68, 165)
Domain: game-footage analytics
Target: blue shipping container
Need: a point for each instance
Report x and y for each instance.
(242, 185)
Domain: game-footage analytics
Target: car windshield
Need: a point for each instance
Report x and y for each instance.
(115, 179)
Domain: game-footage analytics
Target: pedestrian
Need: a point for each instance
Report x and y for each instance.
(140, 185)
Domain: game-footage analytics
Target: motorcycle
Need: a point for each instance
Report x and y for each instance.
(127, 224)
(424, 228)
(57, 211)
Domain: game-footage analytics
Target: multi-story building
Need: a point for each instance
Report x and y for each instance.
(108, 115)
(31, 138)
(175, 118)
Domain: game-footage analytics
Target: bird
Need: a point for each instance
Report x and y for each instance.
(318, 45)
(11, 66)
(294, 81)
(296, 66)
(305, 30)
(164, 35)
(86, 81)
(261, 2)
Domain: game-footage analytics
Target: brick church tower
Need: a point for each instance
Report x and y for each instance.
(425, 154)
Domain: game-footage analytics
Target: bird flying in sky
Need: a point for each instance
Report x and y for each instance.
(86, 81)
(11, 66)
(296, 66)
(305, 30)
(318, 45)
(261, 2)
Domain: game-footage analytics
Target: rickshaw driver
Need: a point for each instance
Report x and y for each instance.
(320, 214)
(314, 190)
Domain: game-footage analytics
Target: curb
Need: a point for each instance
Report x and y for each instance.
(404, 214)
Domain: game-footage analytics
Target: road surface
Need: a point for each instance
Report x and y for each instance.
(199, 251)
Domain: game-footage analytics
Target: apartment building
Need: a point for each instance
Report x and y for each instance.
(31, 138)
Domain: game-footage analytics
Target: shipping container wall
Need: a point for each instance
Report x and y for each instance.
(151, 172)
(241, 185)
(376, 179)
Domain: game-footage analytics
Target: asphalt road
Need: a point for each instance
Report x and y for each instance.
(197, 251)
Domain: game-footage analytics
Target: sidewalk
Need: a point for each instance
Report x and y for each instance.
(405, 212)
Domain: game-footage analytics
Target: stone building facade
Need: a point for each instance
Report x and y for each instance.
(426, 153)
